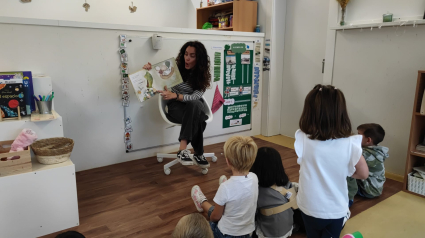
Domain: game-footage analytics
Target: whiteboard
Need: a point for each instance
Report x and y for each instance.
(149, 128)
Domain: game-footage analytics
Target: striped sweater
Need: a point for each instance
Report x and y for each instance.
(187, 91)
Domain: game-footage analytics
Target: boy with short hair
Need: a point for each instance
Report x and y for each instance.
(375, 156)
(238, 194)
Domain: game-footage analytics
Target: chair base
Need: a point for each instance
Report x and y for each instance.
(167, 167)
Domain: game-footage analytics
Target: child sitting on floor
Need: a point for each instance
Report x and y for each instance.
(273, 184)
(238, 195)
(193, 226)
(375, 156)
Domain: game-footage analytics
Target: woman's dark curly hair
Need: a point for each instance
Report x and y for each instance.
(199, 77)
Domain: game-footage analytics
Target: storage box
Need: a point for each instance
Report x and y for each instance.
(19, 165)
(416, 185)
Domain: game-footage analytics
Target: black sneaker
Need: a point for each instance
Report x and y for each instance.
(184, 157)
(201, 161)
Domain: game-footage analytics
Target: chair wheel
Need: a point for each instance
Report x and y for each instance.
(167, 171)
(204, 171)
(214, 159)
(160, 159)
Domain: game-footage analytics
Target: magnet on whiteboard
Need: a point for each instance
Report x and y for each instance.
(123, 40)
(129, 146)
(128, 120)
(128, 128)
(126, 103)
(127, 137)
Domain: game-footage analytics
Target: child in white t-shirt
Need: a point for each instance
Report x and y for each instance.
(236, 199)
(328, 153)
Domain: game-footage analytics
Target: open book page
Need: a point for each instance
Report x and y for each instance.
(147, 83)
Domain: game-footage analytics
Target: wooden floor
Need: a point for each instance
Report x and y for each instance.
(136, 199)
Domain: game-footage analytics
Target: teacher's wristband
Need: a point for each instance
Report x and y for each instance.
(177, 98)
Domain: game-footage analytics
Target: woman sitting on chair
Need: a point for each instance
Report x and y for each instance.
(185, 105)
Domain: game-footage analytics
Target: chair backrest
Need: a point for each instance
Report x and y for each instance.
(163, 104)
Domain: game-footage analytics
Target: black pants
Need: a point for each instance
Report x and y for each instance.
(322, 228)
(191, 116)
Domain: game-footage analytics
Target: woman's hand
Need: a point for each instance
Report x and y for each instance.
(147, 66)
(167, 95)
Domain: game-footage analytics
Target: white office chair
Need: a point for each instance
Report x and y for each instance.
(160, 157)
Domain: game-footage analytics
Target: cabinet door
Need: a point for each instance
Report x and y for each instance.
(244, 16)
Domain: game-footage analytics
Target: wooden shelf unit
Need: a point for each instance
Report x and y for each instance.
(244, 15)
(417, 133)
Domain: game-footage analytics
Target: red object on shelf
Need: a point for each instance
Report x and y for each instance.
(214, 21)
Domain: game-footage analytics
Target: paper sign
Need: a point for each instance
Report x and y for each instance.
(229, 101)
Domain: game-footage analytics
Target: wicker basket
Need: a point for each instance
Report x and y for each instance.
(53, 150)
(416, 185)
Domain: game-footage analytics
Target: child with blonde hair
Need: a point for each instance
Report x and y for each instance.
(193, 226)
(236, 198)
(328, 153)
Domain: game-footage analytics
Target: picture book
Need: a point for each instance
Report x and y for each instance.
(12, 96)
(26, 78)
(147, 83)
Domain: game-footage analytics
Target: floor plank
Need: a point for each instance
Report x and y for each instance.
(136, 198)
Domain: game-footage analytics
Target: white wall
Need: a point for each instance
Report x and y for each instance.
(377, 69)
(305, 44)
(273, 91)
(367, 10)
(166, 13)
(191, 12)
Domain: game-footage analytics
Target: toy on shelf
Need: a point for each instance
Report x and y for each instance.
(21, 143)
(24, 139)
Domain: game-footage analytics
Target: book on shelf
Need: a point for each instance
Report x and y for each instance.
(420, 148)
(20, 81)
(419, 172)
(422, 111)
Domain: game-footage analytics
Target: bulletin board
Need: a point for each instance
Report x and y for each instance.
(148, 129)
